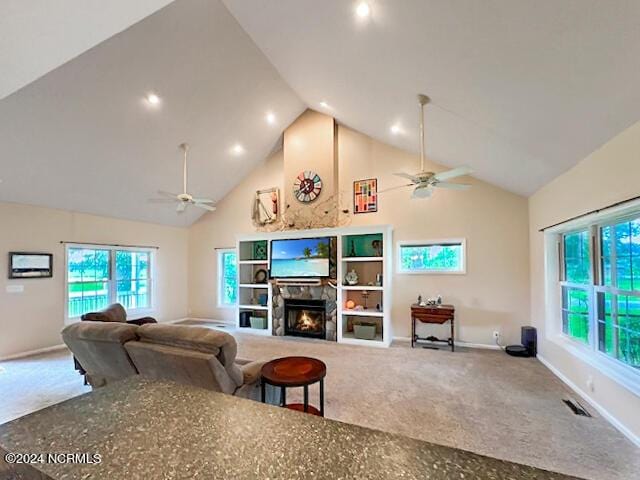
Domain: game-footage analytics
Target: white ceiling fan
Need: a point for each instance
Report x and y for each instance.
(425, 182)
(184, 199)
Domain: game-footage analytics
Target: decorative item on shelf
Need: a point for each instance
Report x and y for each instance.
(263, 299)
(266, 207)
(351, 278)
(260, 250)
(359, 308)
(365, 295)
(352, 249)
(365, 196)
(364, 330)
(350, 305)
(378, 280)
(377, 247)
(307, 186)
(260, 276)
(378, 307)
(439, 300)
(258, 322)
(245, 319)
(420, 302)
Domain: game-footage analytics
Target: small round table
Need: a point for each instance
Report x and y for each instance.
(295, 372)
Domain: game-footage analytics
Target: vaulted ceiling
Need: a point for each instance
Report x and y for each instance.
(521, 91)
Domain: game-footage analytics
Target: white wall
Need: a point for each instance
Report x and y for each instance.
(494, 295)
(33, 319)
(608, 175)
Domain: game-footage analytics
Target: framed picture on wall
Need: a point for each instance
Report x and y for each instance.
(30, 265)
(365, 196)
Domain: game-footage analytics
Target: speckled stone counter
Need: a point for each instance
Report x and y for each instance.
(145, 430)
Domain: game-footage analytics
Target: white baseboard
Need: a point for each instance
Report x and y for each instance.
(457, 343)
(600, 409)
(197, 319)
(33, 352)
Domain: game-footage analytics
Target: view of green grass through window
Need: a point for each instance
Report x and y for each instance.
(229, 280)
(89, 275)
(432, 257)
(615, 297)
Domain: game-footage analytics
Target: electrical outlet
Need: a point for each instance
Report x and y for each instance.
(496, 334)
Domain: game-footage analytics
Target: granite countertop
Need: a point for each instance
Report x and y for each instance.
(154, 430)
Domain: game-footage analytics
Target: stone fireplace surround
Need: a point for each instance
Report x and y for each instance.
(321, 292)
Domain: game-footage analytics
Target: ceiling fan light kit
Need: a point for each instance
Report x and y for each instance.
(184, 199)
(423, 181)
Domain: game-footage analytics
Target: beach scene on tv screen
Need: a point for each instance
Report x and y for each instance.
(307, 257)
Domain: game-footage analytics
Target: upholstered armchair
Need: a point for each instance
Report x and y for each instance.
(115, 313)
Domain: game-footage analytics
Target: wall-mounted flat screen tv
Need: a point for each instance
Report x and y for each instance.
(300, 258)
(30, 265)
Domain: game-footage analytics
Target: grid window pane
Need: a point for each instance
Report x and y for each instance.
(88, 276)
(577, 257)
(605, 242)
(575, 313)
(434, 257)
(132, 279)
(619, 327)
(229, 280)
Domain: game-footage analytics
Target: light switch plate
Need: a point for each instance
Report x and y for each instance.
(15, 288)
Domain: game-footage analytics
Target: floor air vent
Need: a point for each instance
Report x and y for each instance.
(576, 408)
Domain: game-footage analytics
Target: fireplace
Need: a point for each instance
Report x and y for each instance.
(305, 318)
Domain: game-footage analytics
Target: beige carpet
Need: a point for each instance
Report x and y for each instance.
(478, 400)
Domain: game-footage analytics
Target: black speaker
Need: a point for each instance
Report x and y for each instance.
(529, 339)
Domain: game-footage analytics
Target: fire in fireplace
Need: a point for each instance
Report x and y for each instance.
(305, 318)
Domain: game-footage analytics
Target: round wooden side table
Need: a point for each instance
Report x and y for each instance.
(290, 372)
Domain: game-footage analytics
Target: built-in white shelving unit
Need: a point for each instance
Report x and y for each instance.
(356, 251)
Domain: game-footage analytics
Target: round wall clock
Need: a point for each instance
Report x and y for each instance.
(307, 186)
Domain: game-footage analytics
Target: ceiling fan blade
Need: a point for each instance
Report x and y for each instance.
(181, 207)
(408, 176)
(201, 200)
(205, 206)
(456, 172)
(161, 200)
(397, 187)
(452, 186)
(167, 194)
(422, 192)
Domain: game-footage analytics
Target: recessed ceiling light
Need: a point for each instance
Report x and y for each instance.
(324, 105)
(271, 118)
(237, 149)
(363, 10)
(395, 129)
(153, 99)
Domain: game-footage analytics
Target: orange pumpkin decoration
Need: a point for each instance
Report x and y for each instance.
(350, 305)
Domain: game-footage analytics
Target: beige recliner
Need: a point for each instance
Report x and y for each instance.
(187, 354)
(195, 355)
(99, 348)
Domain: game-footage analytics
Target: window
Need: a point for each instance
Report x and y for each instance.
(601, 305)
(618, 295)
(99, 276)
(444, 256)
(576, 285)
(227, 278)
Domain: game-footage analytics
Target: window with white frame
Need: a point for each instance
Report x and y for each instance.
(227, 278)
(600, 283)
(437, 256)
(100, 275)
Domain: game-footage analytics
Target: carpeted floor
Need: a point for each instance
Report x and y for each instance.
(477, 400)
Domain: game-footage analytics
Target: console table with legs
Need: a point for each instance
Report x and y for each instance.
(435, 314)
